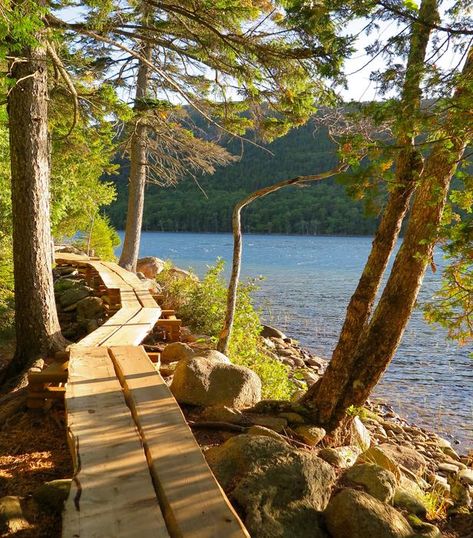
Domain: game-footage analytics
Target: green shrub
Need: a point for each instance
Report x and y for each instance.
(101, 239)
(202, 305)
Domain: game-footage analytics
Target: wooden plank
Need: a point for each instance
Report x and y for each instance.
(112, 494)
(130, 278)
(192, 501)
(110, 327)
(135, 330)
(50, 393)
(146, 299)
(69, 257)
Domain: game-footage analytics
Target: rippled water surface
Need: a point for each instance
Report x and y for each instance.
(308, 282)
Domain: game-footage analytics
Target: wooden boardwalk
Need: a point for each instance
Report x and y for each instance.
(139, 471)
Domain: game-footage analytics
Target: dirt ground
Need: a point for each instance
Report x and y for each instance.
(33, 450)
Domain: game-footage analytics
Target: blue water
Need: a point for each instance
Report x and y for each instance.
(308, 283)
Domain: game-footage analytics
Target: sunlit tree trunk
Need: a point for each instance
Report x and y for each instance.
(408, 167)
(36, 322)
(138, 171)
(379, 340)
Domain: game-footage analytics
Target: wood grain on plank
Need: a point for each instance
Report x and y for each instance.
(112, 494)
(110, 327)
(193, 503)
(136, 328)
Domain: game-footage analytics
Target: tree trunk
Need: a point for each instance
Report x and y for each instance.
(409, 165)
(36, 322)
(380, 339)
(226, 332)
(138, 172)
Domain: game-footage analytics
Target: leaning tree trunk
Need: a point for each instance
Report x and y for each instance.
(225, 335)
(409, 165)
(380, 339)
(138, 171)
(36, 322)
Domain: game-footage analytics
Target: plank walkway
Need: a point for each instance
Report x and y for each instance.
(139, 471)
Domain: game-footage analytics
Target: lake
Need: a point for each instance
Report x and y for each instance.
(308, 283)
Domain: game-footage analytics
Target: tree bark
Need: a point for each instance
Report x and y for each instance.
(36, 322)
(408, 167)
(138, 171)
(226, 332)
(380, 339)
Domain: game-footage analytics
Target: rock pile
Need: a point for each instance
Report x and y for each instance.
(391, 482)
(80, 312)
(305, 367)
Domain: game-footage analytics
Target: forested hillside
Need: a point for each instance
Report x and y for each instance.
(322, 208)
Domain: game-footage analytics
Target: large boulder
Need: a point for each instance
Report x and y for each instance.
(176, 351)
(207, 382)
(214, 355)
(150, 266)
(377, 481)
(281, 490)
(355, 514)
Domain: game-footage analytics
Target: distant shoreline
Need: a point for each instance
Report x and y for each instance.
(252, 233)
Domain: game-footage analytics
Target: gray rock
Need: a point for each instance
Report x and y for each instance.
(207, 382)
(377, 481)
(375, 455)
(281, 490)
(176, 351)
(466, 476)
(424, 530)
(177, 272)
(292, 417)
(73, 295)
(89, 308)
(214, 355)
(261, 430)
(63, 284)
(274, 423)
(91, 325)
(311, 435)
(355, 514)
(222, 414)
(299, 363)
(52, 495)
(448, 467)
(150, 266)
(316, 361)
(343, 456)
(271, 332)
(407, 501)
(405, 456)
(360, 436)
(12, 520)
